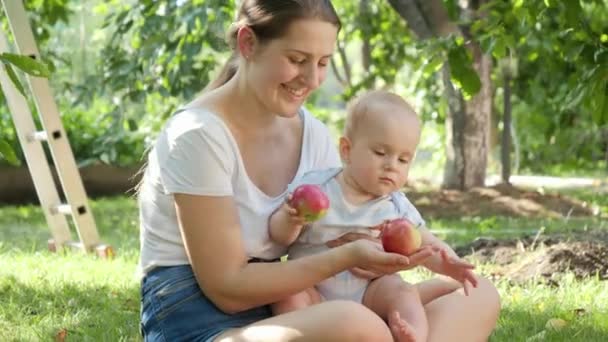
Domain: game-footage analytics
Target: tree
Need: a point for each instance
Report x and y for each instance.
(469, 96)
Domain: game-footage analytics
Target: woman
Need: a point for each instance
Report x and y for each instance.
(218, 170)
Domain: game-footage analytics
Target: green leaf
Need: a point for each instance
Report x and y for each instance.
(432, 66)
(26, 64)
(452, 8)
(573, 12)
(13, 76)
(6, 151)
(462, 71)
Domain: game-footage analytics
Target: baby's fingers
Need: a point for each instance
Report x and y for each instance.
(292, 211)
(456, 261)
(470, 277)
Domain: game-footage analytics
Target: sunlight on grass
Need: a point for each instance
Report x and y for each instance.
(526, 310)
(98, 300)
(90, 298)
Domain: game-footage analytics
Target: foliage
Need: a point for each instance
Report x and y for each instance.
(168, 47)
(150, 56)
(558, 53)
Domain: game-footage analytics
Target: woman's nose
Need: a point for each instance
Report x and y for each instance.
(311, 76)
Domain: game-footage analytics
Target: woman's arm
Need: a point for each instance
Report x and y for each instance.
(211, 230)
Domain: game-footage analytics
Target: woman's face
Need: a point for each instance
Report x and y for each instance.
(284, 71)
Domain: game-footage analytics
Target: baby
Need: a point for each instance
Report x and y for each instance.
(381, 135)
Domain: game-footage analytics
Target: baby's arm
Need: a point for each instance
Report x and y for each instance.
(284, 225)
(447, 262)
(429, 239)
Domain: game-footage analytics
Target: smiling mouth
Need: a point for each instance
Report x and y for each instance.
(297, 93)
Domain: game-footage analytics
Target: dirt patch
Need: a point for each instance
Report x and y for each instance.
(498, 200)
(542, 259)
(530, 258)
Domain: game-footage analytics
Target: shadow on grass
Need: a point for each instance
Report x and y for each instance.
(85, 312)
(527, 325)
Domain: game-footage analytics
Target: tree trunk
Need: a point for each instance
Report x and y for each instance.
(505, 146)
(454, 134)
(366, 48)
(469, 126)
(467, 123)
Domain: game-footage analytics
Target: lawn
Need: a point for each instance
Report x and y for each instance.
(71, 297)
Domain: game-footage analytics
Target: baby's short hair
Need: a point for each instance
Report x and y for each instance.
(368, 105)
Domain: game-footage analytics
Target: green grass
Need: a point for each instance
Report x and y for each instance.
(97, 300)
(44, 293)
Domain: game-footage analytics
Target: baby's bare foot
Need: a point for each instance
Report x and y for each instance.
(402, 331)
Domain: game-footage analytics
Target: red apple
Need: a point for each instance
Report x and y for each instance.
(400, 236)
(310, 201)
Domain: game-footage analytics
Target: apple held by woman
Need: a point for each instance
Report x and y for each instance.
(400, 236)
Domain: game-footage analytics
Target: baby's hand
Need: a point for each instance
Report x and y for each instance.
(293, 217)
(456, 268)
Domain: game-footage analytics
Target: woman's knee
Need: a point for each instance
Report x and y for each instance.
(361, 323)
(487, 296)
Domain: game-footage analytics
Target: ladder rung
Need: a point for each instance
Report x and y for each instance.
(38, 136)
(65, 209)
(43, 136)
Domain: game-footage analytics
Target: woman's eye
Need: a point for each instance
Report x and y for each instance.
(403, 161)
(379, 153)
(297, 61)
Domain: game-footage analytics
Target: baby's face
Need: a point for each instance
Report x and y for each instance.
(382, 151)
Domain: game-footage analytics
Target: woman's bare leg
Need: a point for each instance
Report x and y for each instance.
(456, 317)
(298, 301)
(398, 303)
(339, 321)
(432, 289)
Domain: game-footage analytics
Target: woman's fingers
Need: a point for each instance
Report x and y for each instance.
(365, 274)
(421, 255)
(349, 237)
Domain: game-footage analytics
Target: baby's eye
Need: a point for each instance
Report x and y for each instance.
(379, 153)
(403, 161)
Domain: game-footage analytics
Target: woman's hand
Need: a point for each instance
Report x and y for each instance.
(373, 261)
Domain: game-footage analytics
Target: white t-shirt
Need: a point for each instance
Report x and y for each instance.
(344, 217)
(196, 154)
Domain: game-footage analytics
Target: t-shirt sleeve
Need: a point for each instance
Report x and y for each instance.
(196, 159)
(326, 154)
(408, 210)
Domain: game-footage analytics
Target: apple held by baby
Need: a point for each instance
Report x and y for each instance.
(400, 236)
(310, 201)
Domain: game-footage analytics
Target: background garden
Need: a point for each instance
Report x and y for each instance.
(527, 80)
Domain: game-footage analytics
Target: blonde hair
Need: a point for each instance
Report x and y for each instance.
(364, 107)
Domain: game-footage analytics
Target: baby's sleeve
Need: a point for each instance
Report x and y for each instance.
(197, 161)
(408, 210)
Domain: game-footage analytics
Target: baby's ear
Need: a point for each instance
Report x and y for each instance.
(344, 146)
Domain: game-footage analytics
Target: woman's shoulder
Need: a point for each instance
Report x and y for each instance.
(313, 122)
(195, 121)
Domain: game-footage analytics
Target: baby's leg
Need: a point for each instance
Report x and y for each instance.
(398, 303)
(298, 301)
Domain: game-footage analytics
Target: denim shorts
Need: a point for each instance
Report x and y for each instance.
(173, 308)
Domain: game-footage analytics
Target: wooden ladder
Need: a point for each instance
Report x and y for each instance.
(54, 135)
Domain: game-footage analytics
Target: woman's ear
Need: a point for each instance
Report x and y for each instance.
(344, 147)
(246, 41)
